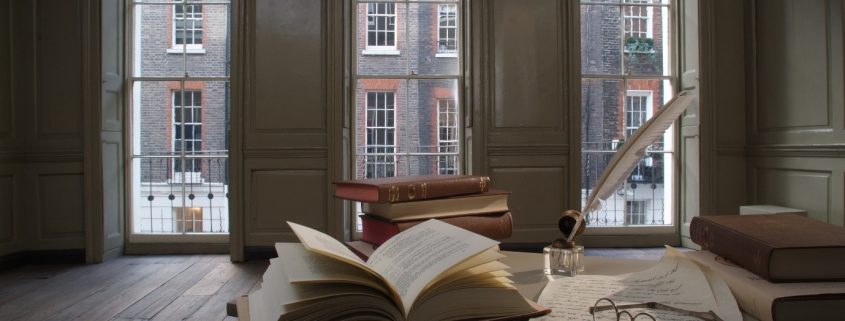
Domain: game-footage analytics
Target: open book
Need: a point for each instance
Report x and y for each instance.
(432, 271)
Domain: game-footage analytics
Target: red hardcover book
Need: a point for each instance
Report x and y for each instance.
(410, 188)
(497, 226)
(777, 247)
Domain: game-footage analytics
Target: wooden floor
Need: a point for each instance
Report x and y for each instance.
(179, 287)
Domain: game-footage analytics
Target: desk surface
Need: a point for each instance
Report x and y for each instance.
(527, 270)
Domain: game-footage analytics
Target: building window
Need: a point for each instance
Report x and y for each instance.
(637, 110)
(447, 30)
(637, 19)
(447, 123)
(187, 129)
(381, 26)
(187, 26)
(621, 89)
(381, 135)
(635, 212)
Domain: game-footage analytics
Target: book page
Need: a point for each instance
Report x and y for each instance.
(412, 259)
(319, 242)
(303, 266)
(675, 281)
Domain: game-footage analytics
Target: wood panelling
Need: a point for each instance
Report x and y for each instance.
(537, 204)
(278, 191)
(113, 208)
(527, 94)
(803, 189)
(6, 119)
(288, 55)
(59, 206)
(58, 111)
(7, 210)
(793, 65)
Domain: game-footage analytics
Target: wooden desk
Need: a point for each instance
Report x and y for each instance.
(527, 270)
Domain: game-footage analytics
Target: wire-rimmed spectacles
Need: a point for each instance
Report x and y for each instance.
(606, 310)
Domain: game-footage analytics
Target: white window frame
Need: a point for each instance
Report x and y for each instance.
(189, 174)
(647, 109)
(192, 48)
(381, 162)
(447, 9)
(447, 119)
(376, 49)
(629, 17)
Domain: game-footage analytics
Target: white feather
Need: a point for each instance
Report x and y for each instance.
(628, 156)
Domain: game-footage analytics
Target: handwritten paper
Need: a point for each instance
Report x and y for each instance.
(675, 281)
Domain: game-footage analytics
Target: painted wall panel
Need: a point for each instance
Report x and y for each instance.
(59, 205)
(792, 66)
(6, 120)
(804, 189)
(59, 71)
(113, 190)
(7, 210)
(529, 93)
(288, 94)
(276, 196)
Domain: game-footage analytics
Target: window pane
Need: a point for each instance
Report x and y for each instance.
(150, 52)
(601, 47)
(212, 34)
(646, 44)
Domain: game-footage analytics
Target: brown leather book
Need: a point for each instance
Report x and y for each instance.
(497, 226)
(776, 247)
(493, 201)
(410, 188)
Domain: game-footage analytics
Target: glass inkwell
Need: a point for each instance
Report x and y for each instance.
(563, 257)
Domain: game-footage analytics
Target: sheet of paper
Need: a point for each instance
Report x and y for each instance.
(413, 258)
(675, 281)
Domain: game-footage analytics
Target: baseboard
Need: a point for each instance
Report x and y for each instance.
(259, 253)
(175, 248)
(42, 257)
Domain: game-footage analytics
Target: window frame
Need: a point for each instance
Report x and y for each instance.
(193, 48)
(376, 49)
(385, 162)
(447, 145)
(179, 172)
(670, 77)
(440, 28)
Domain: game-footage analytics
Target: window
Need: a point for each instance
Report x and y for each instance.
(637, 110)
(626, 76)
(638, 19)
(187, 129)
(381, 27)
(405, 105)
(178, 120)
(381, 131)
(187, 26)
(635, 212)
(447, 35)
(447, 122)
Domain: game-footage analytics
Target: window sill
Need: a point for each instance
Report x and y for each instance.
(190, 51)
(380, 52)
(446, 55)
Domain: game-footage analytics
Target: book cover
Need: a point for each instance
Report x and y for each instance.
(410, 188)
(432, 271)
(497, 226)
(493, 201)
(777, 247)
(769, 301)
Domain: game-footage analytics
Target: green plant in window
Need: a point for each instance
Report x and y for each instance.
(639, 48)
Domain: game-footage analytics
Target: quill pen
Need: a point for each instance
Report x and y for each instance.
(628, 156)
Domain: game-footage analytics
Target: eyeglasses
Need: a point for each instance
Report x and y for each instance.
(606, 310)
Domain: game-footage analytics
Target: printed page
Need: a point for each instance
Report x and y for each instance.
(319, 242)
(303, 266)
(675, 281)
(412, 259)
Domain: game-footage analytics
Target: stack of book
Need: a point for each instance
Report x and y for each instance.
(780, 267)
(394, 204)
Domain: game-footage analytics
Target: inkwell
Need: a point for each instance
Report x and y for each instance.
(564, 257)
